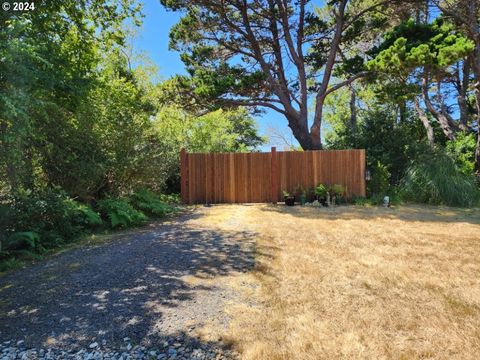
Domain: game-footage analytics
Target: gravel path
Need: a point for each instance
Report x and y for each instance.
(127, 298)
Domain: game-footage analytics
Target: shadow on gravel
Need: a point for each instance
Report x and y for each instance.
(120, 289)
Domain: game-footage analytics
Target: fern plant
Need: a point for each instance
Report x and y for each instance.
(120, 213)
(82, 215)
(150, 203)
(25, 240)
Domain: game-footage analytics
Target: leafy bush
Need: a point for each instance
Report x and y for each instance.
(380, 181)
(336, 189)
(321, 190)
(32, 222)
(120, 213)
(171, 199)
(83, 215)
(51, 214)
(435, 179)
(150, 203)
(361, 201)
(462, 150)
(4, 220)
(374, 200)
(9, 264)
(27, 240)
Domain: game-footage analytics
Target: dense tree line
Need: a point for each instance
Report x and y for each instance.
(85, 136)
(88, 138)
(399, 78)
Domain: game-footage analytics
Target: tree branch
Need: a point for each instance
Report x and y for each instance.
(346, 82)
(252, 103)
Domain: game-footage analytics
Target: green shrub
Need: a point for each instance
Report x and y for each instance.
(380, 181)
(9, 264)
(361, 201)
(51, 214)
(373, 200)
(120, 213)
(171, 199)
(336, 189)
(435, 179)
(83, 215)
(321, 190)
(150, 203)
(396, 196)
(26, 240)
(462, 151)
(4, 220)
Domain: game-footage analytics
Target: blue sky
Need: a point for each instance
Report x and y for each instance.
(153, 41)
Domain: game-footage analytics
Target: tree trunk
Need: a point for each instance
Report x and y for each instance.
(316, 143)
(426, 124)
(315, 129)
(462, 105)
(301, 133)
(402, 112)
(477, 155)
(353, 111)
(462, 95)
(438, 115)
(476, 74)
(477, 148)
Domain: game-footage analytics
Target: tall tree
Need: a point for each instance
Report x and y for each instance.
(466, 14)
(415, 56)
(275, 54)
(49, 63)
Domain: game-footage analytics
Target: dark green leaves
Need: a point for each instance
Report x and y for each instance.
(411, 45)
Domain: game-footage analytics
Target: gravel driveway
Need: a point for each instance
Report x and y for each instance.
(128, 293)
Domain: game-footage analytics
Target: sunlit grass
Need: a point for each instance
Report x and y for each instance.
(353, 282)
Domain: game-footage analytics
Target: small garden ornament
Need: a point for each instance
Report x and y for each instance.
(386, 201)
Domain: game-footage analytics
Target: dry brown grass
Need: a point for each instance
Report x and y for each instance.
(357, 283)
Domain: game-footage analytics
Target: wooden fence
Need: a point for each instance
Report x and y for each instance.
(261, 177)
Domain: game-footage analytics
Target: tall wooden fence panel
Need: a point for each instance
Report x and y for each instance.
(262, 177)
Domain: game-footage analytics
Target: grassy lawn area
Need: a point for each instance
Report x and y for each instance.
(353, 282)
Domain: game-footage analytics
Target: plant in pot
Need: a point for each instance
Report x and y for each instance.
(302, 194)
(303, 197)
(322, 195)
(310, 194)
(289, 198)
(336, 191)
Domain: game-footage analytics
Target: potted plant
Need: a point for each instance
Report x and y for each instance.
(289, 198)
(322, 195)
(336, 190)
(302, 194)
(303, 197)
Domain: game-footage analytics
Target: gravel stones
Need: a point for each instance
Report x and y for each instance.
(102, 301)
(182, 349)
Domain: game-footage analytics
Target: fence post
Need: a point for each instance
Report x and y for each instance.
(363, 164)
(273, 175)
(184, 176)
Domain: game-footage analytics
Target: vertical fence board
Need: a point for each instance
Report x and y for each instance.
(273, 175)
(262, 177)
(184, 176)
